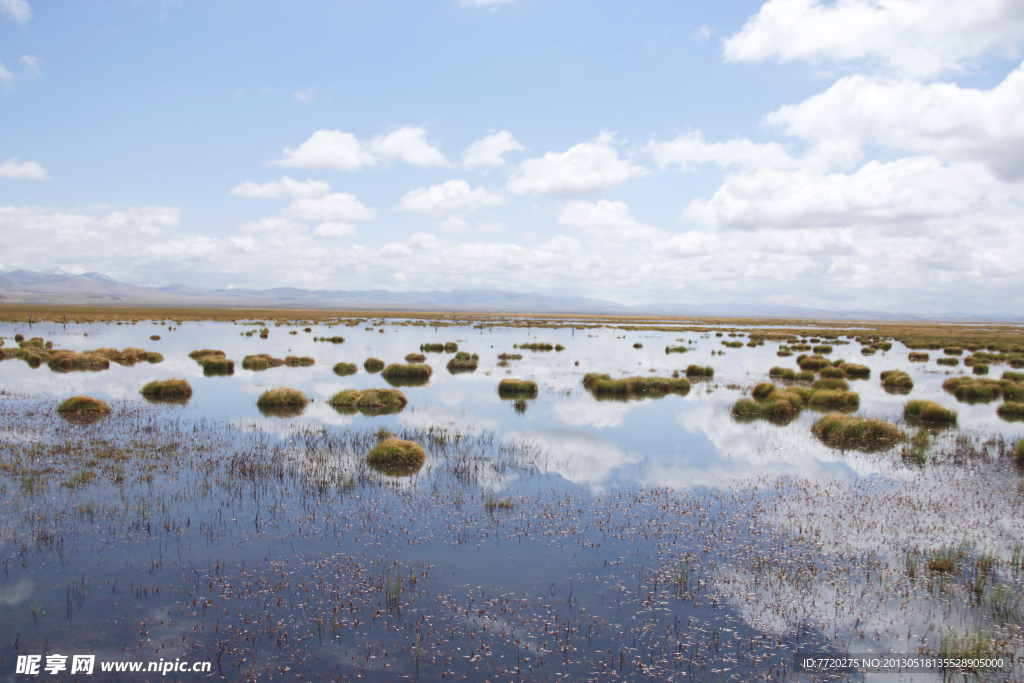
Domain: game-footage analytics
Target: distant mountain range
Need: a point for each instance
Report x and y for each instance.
(57, 287)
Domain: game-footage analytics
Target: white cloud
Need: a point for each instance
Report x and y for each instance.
(6, 77)
(921, 38)
(938, 118)
(424, 240)
(17, 10)
(489, 151)
(607, 221)
(340, 206)
(901, 193)
(409, 144)
(334, 229)
(454, 224)
(304, 95)
(15, 168)
(286, 188)
(31, 66)
(454, 196)
(689, 149)
(273, 223)
(587, 167)
(335, 149)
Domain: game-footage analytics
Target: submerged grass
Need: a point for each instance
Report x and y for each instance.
(850, 431)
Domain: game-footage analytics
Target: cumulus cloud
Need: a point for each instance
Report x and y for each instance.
(607, 221)
(903, 192)
(920, 38)
(454, 196)
(16, 168)
(6, 77)
(335, 149)
(286, 188)
(690, 149)
(937, 118)
(273, 223)
(335, 229)
(339, 206)
(588, 167)
(17, 10)
(490, 151)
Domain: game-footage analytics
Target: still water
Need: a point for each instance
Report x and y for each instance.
(570, 539)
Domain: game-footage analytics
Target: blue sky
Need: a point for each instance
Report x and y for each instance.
(847, 154)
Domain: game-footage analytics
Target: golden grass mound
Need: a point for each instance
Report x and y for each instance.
(627, 387)
(700, 371)
(917, 357)
(463, 362)
(410, 374)
(281, 398)
(167, 390)
(896, 382)
(834, 400)
(536, 346)
(213, 362)
(369, 402)
(782, 373)
(812, 363)
(850, 431)
(1011, 411)
(432, 348)
(514, 388)
(396, 457)
(263, 361)
(929, 411)
(343, 369)
(373, 365)
(83, 409)
(831, 383)
(415, 358)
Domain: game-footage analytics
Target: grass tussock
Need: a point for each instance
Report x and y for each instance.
(1011, 411)
(396, 457)
(604, 385)
(813, 363)
(982, 389)
(369, 402)
(850, 431)
(832, 384)
(415, 358)
(1018, 452)
(896, 382)
(167, 390)
(638, 345)
(432, 348)
(929, 411)
(332, 340)
(778, 409)
(804, 376)
(83, 405)
(373, 365)
(537, 346)
(1011, 376)
(949, 361)
(510, 356)
(782, 373)
(676, 349)
(857, 371)
(833, 373)
(822, 348)
(463, 362)
(213, 362)
(980, 369)
(918, 357)
(700, 371)
(345, 369)
(410, 374)
(834, 400)
(299, 361)
(261, 361)
(516, 387)
(282, 402)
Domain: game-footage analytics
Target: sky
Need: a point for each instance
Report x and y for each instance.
(854, 154)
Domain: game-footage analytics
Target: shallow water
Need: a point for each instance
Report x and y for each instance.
(656, 538)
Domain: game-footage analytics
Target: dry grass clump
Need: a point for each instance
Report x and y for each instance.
(450, 347)
(868, 351)
(432, 348)
(604, 385)
(83, 405)
(896, 382)
(463, 362)
(853, 370)
(978, 390)
(167, 390)
(1011, 411)
(733, 344)
(823, 348)
(261, 361)
(411, 374)
(299, 361)
(833, 373)
(782, 373)
(638, 345)
(332, 340)
(213, 362)
(537, 346)
(415, 358)
(953, 350)
(396, 457)
(1013, 376)
(373, 365)
(948, 361)
(699, 371)
(70, 361)
(804, 376)
(917, 357)
(929, 411)
(676, 349)
(369, 402)
(850, 431)
(282, 402)
(763, 390)
(344, 369)
(155, 337)
(510, 356)
(812, 363)
(516, 387)
(783, 353)
(980, 369)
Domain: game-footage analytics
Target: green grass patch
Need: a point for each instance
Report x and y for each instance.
(699, 371)
(856, 371)
(831, 384)
(396, 457)
(462, 362)
(167, 390)
(538, 346)
(782, 373)
(345, 369)
(508, 388)
(603, 385)
(896, 382)
(432, 348)
(850, 431)
(369, 402)
(929, 411)
(1011, 411)
(415, 358)
(812, 363)
(834, 400)
(822, 348)
(77, 405)
(373, 365)
(410, 374)
(676, 349)
(918, 357)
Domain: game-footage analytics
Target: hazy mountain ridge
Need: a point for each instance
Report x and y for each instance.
(57, 287)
